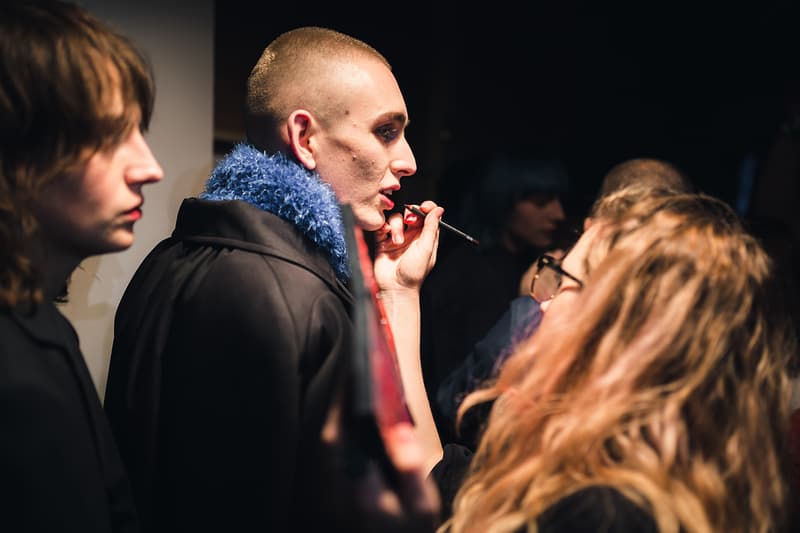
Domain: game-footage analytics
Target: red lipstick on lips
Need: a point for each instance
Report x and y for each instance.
(134, 214)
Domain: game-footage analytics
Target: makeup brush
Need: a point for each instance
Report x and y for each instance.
(442, 224)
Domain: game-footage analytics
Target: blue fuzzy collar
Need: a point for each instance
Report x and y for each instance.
(283, 187)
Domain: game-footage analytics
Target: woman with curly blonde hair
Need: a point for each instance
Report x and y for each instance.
(654, 395)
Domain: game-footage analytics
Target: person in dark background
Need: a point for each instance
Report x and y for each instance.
(523, 315)
(769, 199)
(772, 212)
(512, 202)
(645, 171)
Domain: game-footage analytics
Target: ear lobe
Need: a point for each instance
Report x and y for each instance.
(299, 127)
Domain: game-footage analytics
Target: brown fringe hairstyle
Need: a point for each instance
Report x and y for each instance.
(61, 70)
(669, 384)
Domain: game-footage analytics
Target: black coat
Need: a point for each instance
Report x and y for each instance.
(228, 345)
(59, 467)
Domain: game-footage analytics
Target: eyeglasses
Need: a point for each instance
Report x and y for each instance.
(548, 277)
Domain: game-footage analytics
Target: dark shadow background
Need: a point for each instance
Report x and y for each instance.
(593, 82)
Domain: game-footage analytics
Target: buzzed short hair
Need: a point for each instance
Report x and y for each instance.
(648, 172)
(292, 74)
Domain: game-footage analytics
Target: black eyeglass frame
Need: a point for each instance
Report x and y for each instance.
(548, 261)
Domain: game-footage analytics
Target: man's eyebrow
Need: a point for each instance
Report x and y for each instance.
(395, 117)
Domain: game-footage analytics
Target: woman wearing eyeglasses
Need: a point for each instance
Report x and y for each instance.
(524, 314)
(654, 395)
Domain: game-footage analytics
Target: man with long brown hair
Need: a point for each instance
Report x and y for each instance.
(75, 99)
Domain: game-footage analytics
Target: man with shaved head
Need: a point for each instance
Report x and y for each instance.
(647, 172)
(234, 332)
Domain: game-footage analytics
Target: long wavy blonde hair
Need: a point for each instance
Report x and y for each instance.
(669, 383)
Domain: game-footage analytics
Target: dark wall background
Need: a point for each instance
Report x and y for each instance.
(593, 82)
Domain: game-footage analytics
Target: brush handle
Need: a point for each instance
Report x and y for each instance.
(442, 224)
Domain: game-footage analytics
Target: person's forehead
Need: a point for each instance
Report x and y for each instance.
(370, 86)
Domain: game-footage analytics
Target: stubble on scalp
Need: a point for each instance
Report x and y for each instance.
(300, 69)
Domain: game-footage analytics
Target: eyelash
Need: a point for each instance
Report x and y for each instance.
(388, 133)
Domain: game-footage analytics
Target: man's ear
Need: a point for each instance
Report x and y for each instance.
(299, 126)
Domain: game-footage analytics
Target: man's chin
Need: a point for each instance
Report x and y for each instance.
(120, 242)
(369, 221)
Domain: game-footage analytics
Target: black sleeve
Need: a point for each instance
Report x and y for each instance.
(449, 473)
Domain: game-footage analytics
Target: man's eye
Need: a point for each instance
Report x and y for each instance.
(387, 133)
